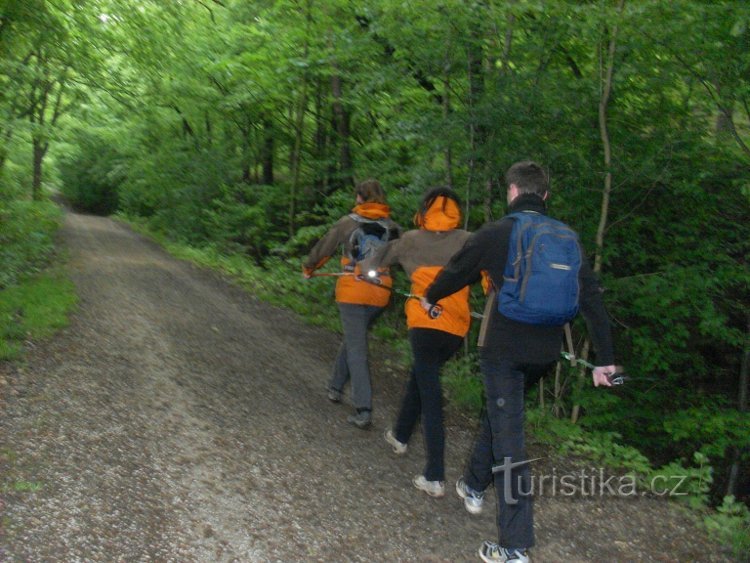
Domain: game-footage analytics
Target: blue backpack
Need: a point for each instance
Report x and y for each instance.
(540, 281)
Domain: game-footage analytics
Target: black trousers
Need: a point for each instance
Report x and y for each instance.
(423, 395)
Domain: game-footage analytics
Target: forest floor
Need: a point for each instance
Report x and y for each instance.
(178, 418)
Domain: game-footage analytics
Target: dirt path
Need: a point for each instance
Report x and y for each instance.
(179, 419)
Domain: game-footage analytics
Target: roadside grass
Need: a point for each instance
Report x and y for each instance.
(35, 308)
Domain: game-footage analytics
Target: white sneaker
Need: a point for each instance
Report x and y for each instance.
(493, 553)
(399, 448)
(433, 488)
(473, 500)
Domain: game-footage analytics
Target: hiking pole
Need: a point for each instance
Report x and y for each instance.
(330, 274)
(372, 277)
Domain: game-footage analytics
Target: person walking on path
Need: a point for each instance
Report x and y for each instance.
(422, 253)
(511, 352)
(359, 302)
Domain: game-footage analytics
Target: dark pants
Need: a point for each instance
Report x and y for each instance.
(351, 362)
(423, 395)
(500, 444)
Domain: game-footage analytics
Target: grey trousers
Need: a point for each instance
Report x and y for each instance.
(352, 362)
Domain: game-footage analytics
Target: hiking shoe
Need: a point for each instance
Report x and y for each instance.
(493, 553)
(399, 448)
(362, 419)
(472, 499)
(334, 395)
(433, 488)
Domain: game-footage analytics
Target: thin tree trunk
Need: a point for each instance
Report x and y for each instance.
(39, 150)
(604, 213)
(734, 471)
(604, 132)
(505, 60)
(320, 140)
(470, 174)
(342, 129)
(209, 130)
(7, 136)
(448, 146)
(246, 160)
(558, 388)
(267, 153)
(581, 379)
(299, 123)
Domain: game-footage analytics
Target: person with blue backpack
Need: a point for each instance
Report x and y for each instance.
(357, 235)
(540, 279)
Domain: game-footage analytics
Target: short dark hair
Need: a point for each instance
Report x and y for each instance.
(371, 191)
(529, 177)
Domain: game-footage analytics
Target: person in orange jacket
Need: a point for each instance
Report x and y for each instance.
(423, 253)
(359, 302)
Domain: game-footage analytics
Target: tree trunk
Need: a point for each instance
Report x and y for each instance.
(604, 132)
(478, 131)
(448, 148)
(7, 135)
(247, 158)
(39, 150)
(734, 471)
(505, 60)
(209, 130)
(267, 153)
(321, 136)
(604, 213)
(342, 122)
(299, 124)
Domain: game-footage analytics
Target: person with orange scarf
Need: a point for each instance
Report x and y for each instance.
(359, 302)
(422, 253)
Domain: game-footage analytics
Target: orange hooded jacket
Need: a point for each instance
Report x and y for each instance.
(423, 253)
(349, 288)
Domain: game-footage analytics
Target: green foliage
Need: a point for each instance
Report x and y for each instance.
(240, 219)
(730, 524)
(26, 238)
(91, 173)
(462, 383)
(35, 308)
(709, 429)
(600, 447)
(687, 484)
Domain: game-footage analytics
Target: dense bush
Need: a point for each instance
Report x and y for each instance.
(91, 173)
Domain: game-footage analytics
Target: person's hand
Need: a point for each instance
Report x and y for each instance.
(307, 273)
(426, 305)
(601, 375)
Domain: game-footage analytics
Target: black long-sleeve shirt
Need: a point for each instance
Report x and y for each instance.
(501, 337)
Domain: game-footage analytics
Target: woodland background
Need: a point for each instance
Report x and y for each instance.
(238, 129)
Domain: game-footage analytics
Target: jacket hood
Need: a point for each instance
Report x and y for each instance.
(372, 210)
(443, 215)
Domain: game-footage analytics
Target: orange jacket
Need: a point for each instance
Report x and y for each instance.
(351, 289)
(423, 253)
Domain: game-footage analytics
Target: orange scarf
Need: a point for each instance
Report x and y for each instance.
(372, 210)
